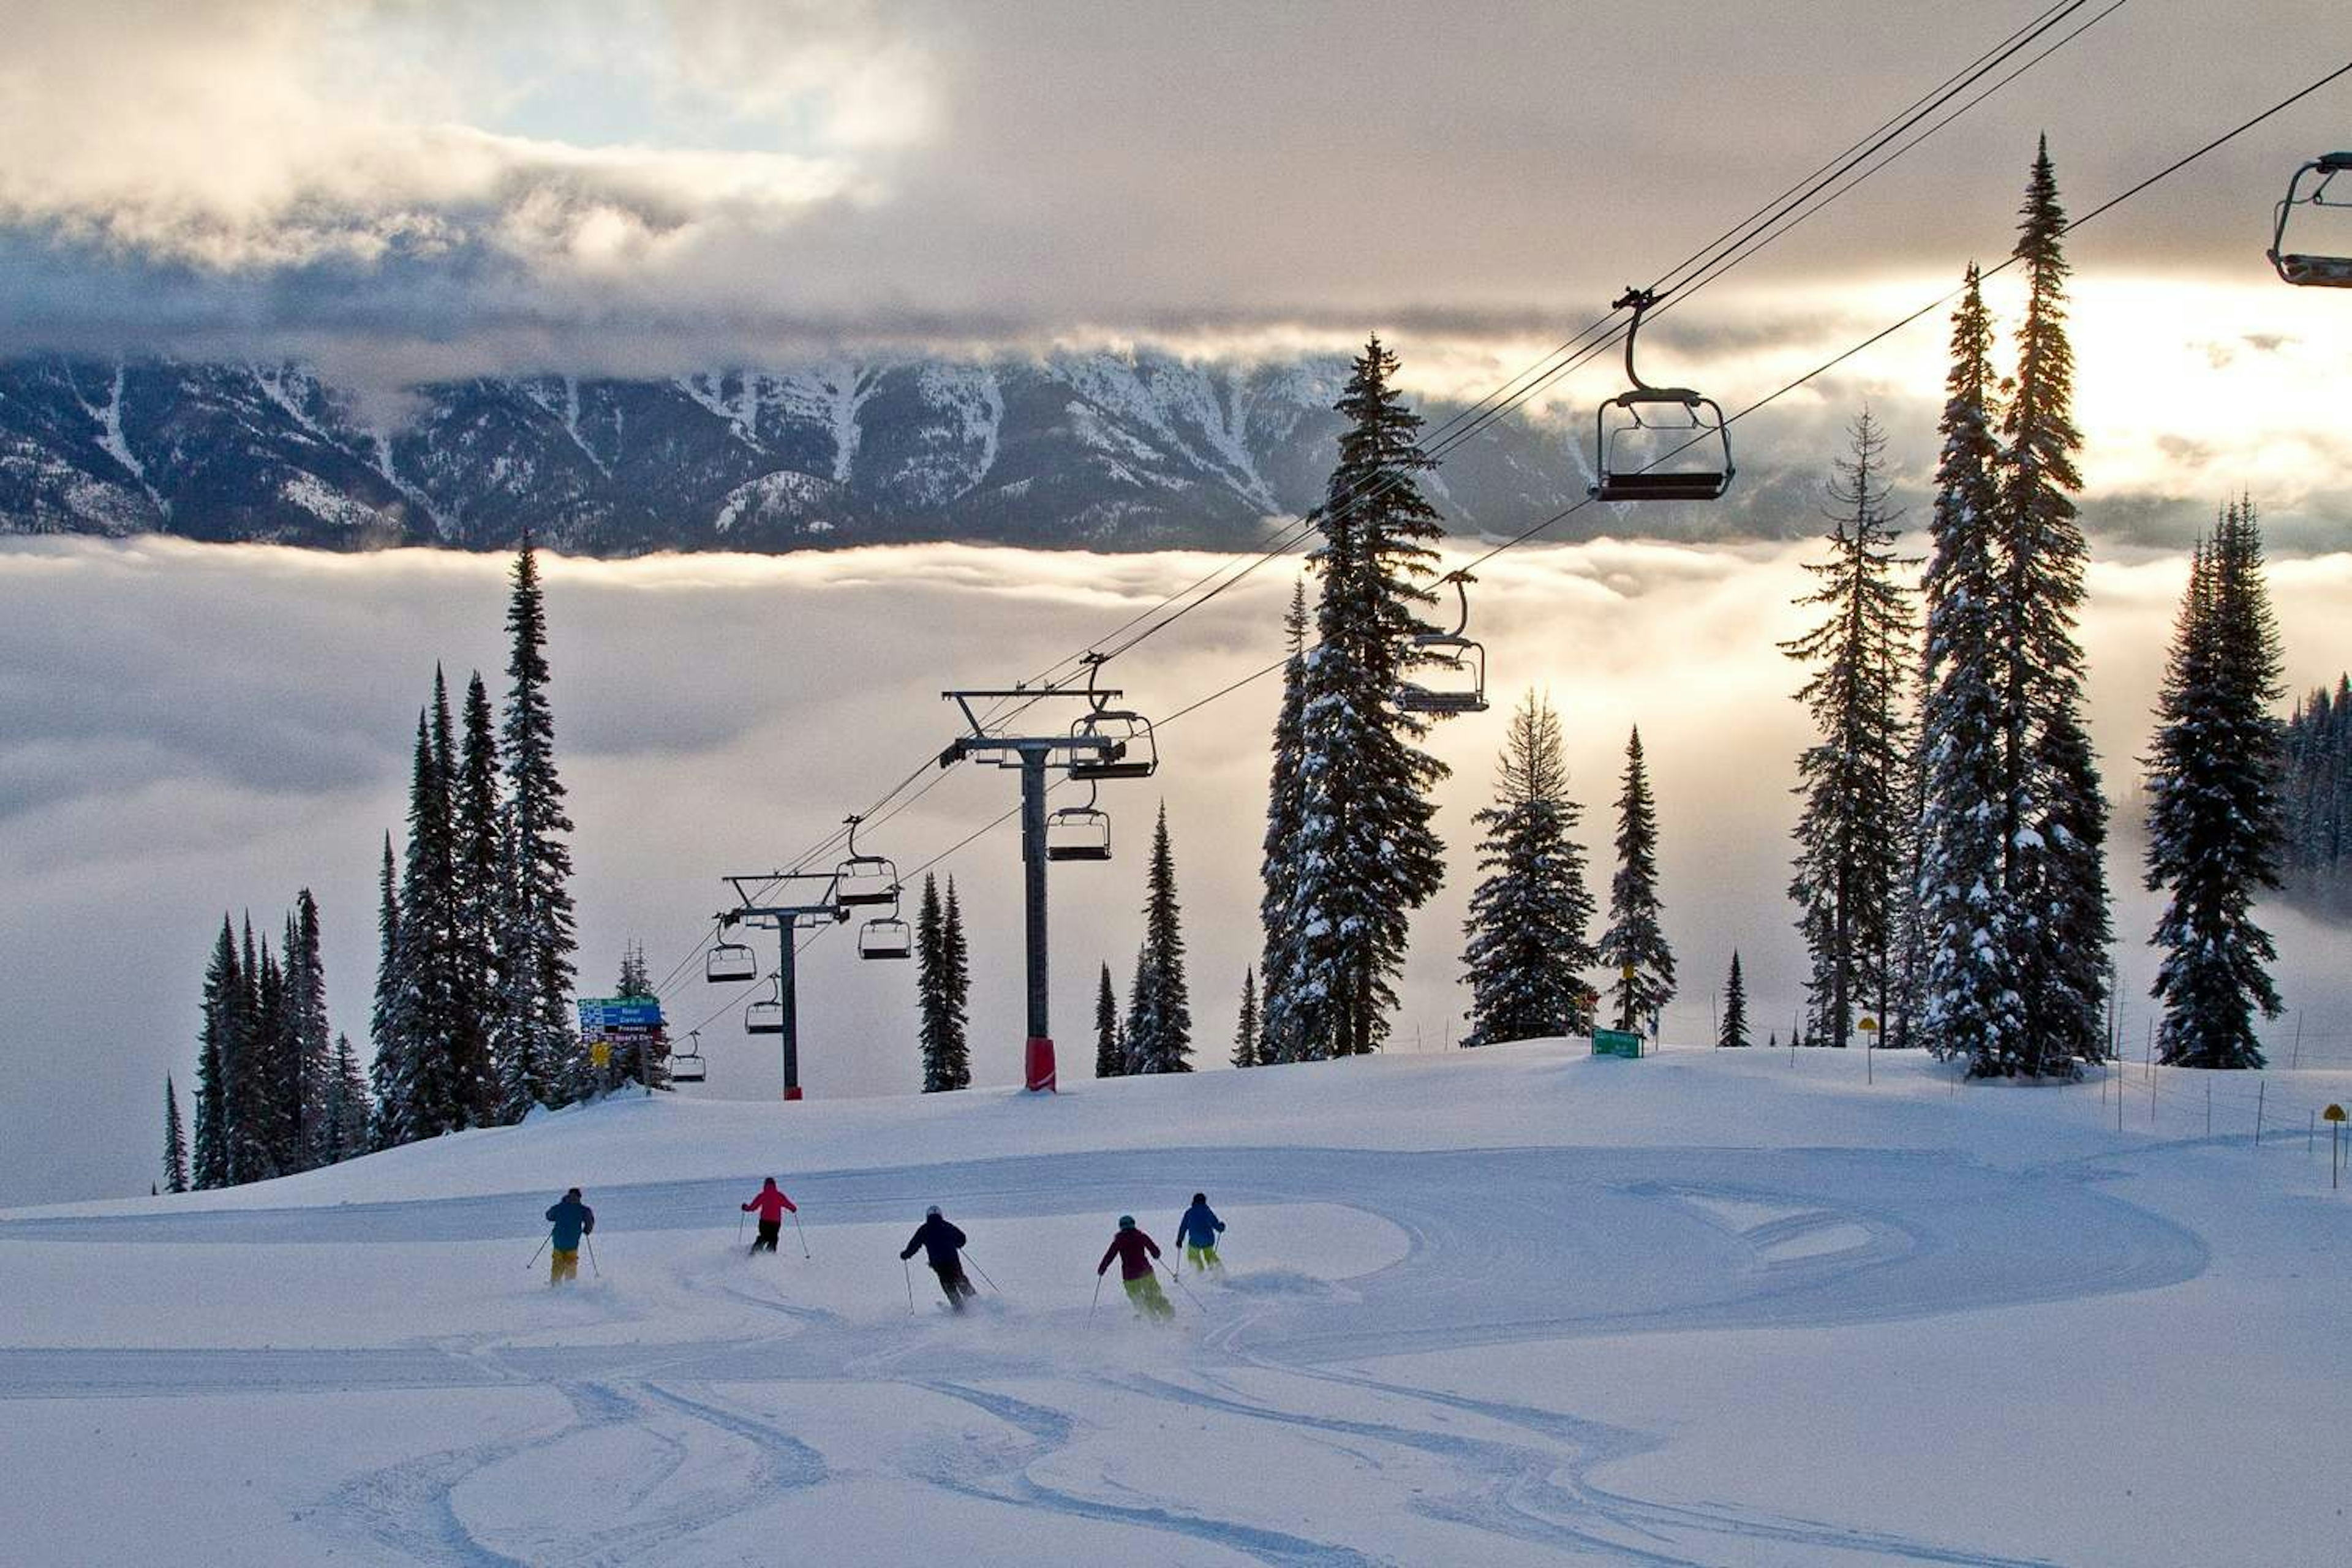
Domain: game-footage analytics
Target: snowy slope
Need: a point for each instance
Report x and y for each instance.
(1512, 1306)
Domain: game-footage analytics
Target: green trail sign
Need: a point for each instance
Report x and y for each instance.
(1615, 1043)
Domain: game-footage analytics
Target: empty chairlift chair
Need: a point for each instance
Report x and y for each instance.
(764, 1019)
(1658, 443)
(1445, 672)
(729, 964)
(685, 1065)
(863, 880)
(1078, 832)
(2298, 213)
(885, 938)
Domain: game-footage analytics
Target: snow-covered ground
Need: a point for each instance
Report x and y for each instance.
(1518, 1305)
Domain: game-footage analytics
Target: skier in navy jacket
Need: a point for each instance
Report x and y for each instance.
(1197, 1234)
(941, 1242)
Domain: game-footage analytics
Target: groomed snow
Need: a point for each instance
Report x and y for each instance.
(1513, 1306)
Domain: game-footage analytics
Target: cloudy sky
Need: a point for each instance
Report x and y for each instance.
(406, 190)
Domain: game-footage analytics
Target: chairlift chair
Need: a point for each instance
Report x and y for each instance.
(686, 1066)
(885, 939)
(865, 879)
(1132, 753)
(764, 1019)
(1666, 443)
(729, 964)
(1078, 832)
(1445, 672)
(2304, 269)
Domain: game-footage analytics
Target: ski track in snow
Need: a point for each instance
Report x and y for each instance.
(1502, 1245)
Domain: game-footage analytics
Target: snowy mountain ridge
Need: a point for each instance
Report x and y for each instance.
(1100, 450)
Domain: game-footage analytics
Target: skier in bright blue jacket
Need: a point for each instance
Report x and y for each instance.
(1198, 1231)
(571, 1219)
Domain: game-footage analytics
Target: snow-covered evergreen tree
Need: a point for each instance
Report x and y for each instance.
(2053, 810)
(2215, 816)
(1281, 958)
(347, 1132)
(534, 1035)
(176, 1140)
(1365, 855)
(1733, 1034)
(224, 989)
(435, 1094)
(1852, 834)
(477, 877)
(643, 1062)
(1969, 1004)
(2318, 796)
(1159, 1008)
(1635, 948)
(306, 1011)
(955, 1059)
(393, 1069)
(262, 1142)
(1247, 1029)
(1527, 946)
(1110, 1049)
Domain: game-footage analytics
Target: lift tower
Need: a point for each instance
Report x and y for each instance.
(1104, 743)
(823, 906)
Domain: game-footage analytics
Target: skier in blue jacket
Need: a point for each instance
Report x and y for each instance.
(940, 1243)
(1197, 1233)
(571, 1219)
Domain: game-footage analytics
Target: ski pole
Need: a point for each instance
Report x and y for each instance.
(591, 1256)
(1180, 1285)
(802, 1234)
(1095, 1302)
(981, 1272)
(542, 1247)
(907, 1269)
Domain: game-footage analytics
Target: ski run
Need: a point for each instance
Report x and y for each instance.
(1516, 1305)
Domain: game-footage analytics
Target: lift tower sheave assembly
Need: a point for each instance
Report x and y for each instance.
(1103, 744)
(788, 917)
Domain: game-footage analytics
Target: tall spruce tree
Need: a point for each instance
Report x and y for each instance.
(436, 1093)
(176, 1140)
(1281, 958)
(534, 1034)
(1111, 1048)
(1247, 1029)
(1970, 1003)
(2215, 814)
(224, 985)
(2053, 810)
(387, 1021)
(1634, 947)
(476, 891)
(1528, 945)
(1733, 1034)
(956, 952)
(643, 1061)
(306, 1011)
(1160, 1009)
(1853, 831)
(1365, 855)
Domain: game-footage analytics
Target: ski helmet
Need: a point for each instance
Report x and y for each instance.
(1126, 1222)
(932, 1212)
(1200, 1197)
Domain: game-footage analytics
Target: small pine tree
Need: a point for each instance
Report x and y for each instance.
(1733, 1036)
(1635, 945)
(476, 891)
(1246, 1026)
(387, 1027)
(640, 1061)
(1160, 1011)
(2216, 817)
(305, 1010)
(930, 986)
(349, 1133)
(175, 1141)
(1528, 950)
(1110, 1054)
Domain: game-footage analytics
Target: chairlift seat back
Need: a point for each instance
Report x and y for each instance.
(885, 939)
(1707, 471)
(686, 1069)
(728, 963)
(764, 1019)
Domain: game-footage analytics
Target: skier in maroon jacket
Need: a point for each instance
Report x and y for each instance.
(1135, 1252)
(770, 1206)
